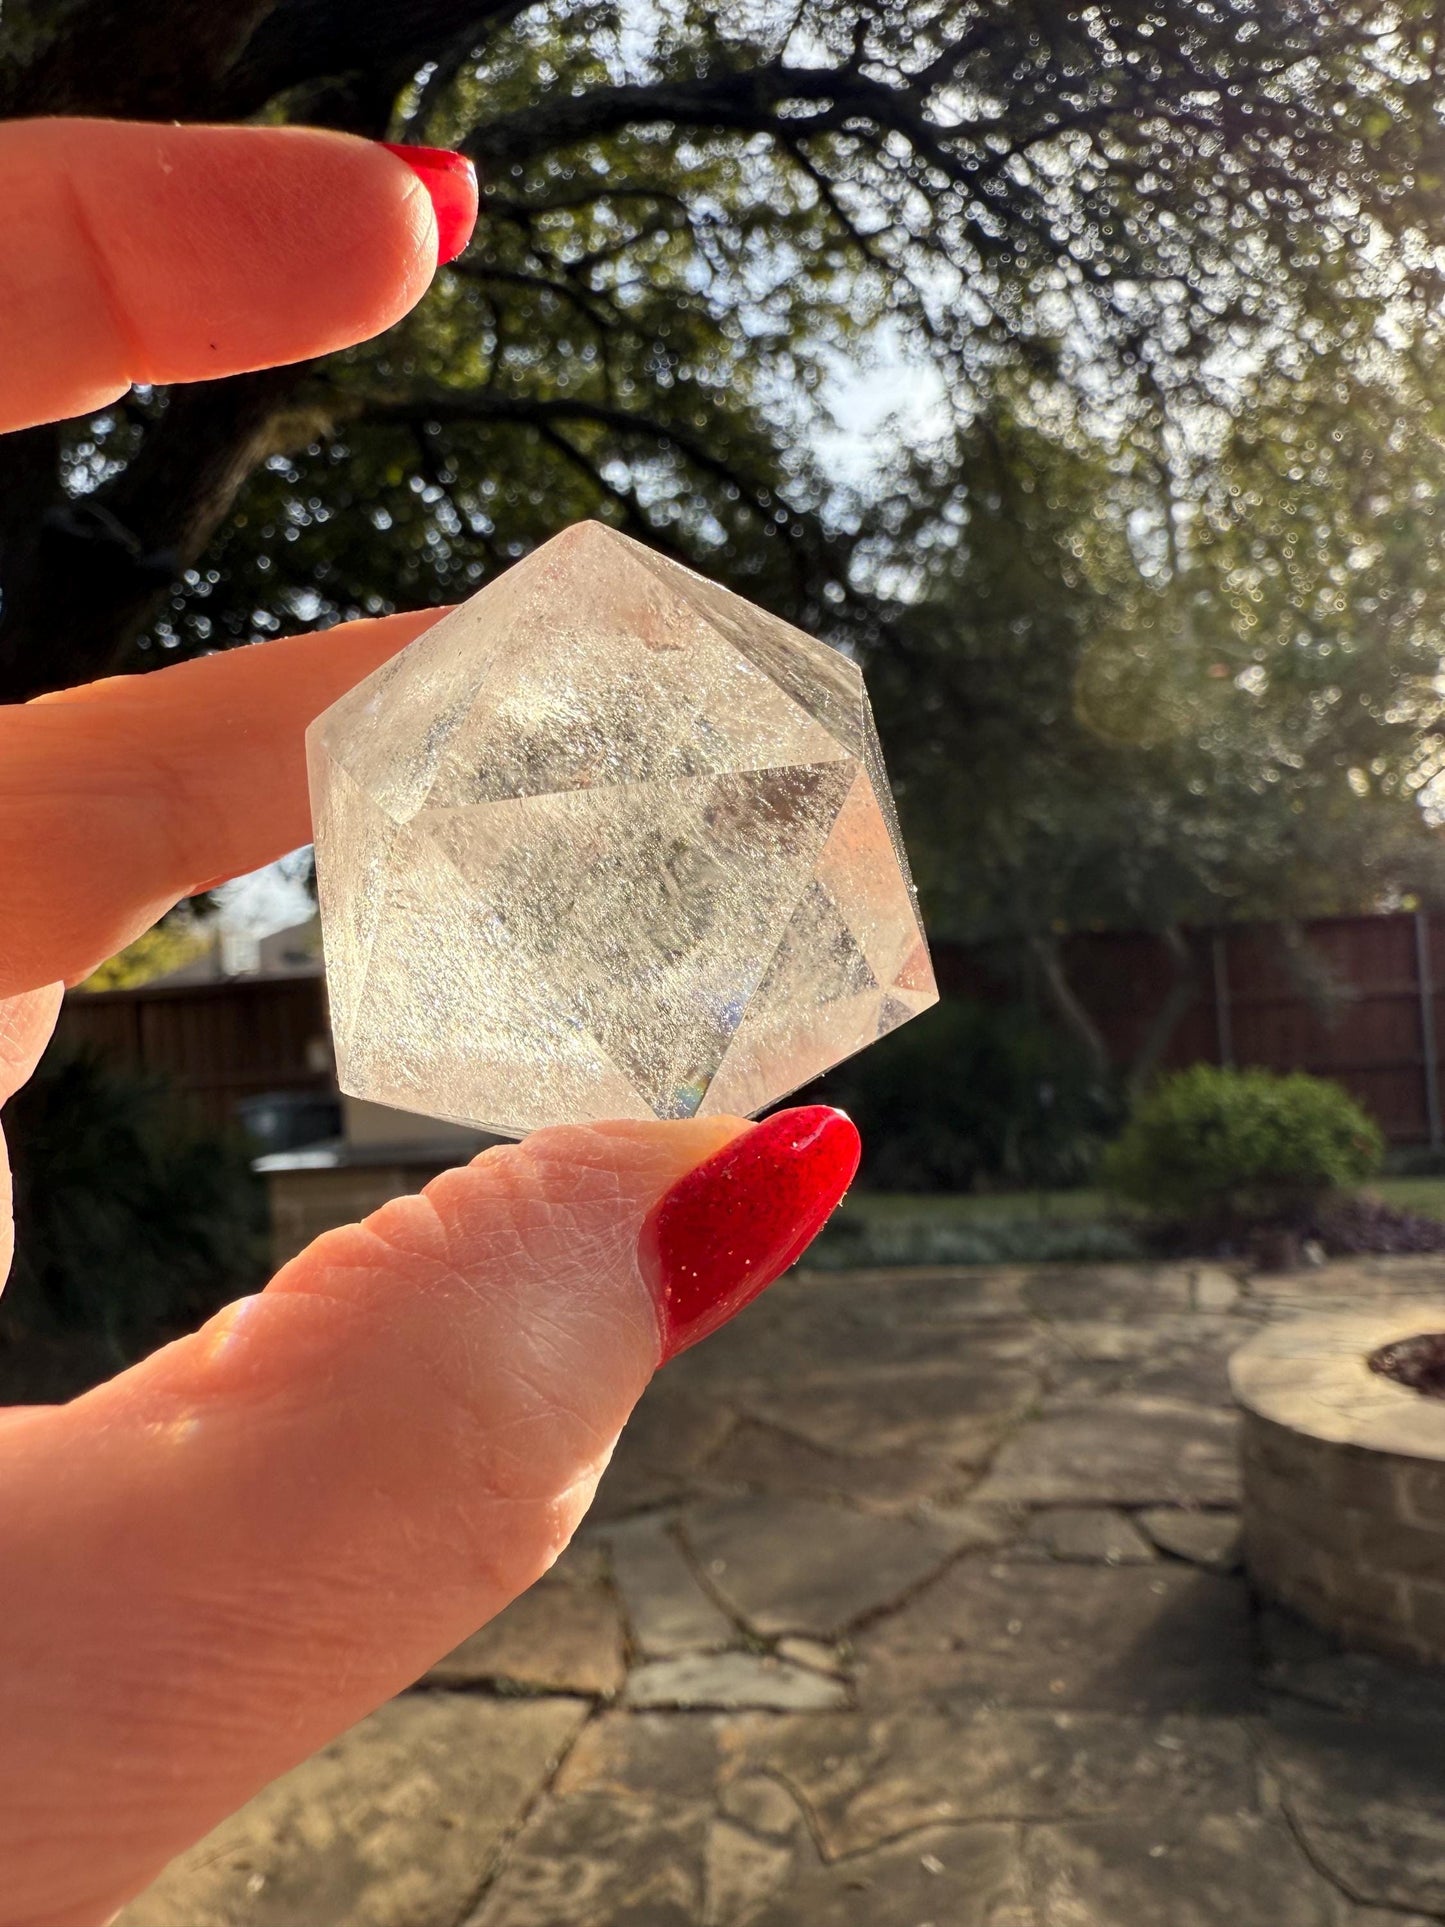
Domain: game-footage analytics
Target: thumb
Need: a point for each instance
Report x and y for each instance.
(218, 1560)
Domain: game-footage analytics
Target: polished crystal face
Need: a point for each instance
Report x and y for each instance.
(608, 841)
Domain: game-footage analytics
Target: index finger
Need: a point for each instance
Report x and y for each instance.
(132, 252)
(120, 797)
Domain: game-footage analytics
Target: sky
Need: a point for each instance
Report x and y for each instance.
(265, 900)
(893, 401)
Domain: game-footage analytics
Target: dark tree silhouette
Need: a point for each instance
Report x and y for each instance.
(687, 213)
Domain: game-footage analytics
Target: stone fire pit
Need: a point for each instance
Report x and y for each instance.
(1344, 1474)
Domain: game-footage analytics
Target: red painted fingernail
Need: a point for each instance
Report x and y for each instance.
(451, 180)
(724, 1232)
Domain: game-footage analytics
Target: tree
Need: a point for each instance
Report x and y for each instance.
(166, 946)
(689, 213)
(1093, 726)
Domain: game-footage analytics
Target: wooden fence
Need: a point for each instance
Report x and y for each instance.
(1358, 999)
(1361, 999)
(217, 1042)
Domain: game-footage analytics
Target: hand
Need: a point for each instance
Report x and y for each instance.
(218, 1560)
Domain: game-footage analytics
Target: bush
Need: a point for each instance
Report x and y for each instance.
(132, 1223)
(974, 1096)
(1208, 1143)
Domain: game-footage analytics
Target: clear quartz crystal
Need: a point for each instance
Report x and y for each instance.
(608, 841)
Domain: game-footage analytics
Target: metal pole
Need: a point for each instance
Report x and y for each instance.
(1223, 1027)
(1427, 1025)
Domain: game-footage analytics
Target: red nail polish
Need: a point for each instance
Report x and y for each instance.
(724, 1232)
(451, 181)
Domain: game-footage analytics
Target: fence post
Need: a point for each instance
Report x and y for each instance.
(1426, 984)
(1223, 1022)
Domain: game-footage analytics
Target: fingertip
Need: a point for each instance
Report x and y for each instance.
(231, 248)
(736, 1222)
(451, 184)
(227, 795)
(258, 1534)
(141, 252)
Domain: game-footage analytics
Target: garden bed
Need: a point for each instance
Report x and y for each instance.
(1396, 1216)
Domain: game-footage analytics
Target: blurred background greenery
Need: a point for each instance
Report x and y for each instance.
(1073, 367)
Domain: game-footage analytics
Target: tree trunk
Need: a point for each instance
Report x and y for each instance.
(83, 576)
(1165, 1022)
(1070, 1012)
(195, 60)
(110, 57)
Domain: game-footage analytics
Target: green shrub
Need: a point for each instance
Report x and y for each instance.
(974, 1096)
(132, 1223)
(1209, 1142)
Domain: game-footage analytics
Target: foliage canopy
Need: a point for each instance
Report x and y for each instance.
(1151, 607)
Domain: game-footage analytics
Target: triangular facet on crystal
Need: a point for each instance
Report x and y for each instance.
(818, 1003)
(857, 868)
(440, 948)
(872, 759)
(891, 1013)
(820, 680)
(359, 836)
(650, 912)
(916, 973)
(391, 731)
(656, 695)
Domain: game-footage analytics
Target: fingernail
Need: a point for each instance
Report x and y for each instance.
(735, 1223)
(451, 180)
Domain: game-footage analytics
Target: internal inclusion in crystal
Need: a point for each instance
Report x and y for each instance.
(608, 841)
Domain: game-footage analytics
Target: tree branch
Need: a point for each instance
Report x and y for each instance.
(634, 515)
(732, 101)
(534, 410)
(1165, 1021)
(1052, 976)
(547, 415)
(580, 298)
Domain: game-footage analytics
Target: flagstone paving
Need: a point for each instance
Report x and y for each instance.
(911, 1600)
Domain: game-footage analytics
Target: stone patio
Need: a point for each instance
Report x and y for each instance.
(910, 1600)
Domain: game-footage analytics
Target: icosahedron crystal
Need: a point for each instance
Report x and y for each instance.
(608, 841)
